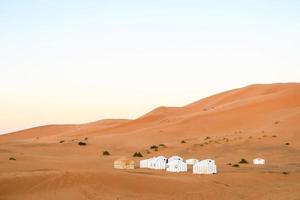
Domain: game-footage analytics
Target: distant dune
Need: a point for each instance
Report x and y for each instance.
(254, 121)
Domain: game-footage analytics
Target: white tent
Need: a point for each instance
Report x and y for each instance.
(191, 161)
(259, 161)
(176, 166)
(154, 163)
(145, 163)
(159, 162)
(207, 166)
(174, 158)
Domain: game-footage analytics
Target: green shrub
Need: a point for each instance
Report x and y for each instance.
(137, 154)
(236, 165)
(12, 158)
(243, 161)
(105, 153)
(81, 143)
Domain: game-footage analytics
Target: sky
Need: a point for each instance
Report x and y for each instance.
(79, 61)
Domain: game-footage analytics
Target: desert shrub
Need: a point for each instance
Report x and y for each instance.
(285, 173)
(62, 141)
(105, 153)
(243, 161)
(86, 138)
(229, 164)
(12, 158)
(147, 151)
(81, 143)
(274, 136)
(236, 165)
(162, 145)
(207, 138)
(153, 147)
(183, 141)
(137, 154)
(277, 122)
(287, 143)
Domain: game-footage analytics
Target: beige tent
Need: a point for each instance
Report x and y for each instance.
(124, 163)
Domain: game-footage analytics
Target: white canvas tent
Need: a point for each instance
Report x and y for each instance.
(174, 158)
(176, 166)
(191, 161)
(145, 163)
(154, 163)
(259, 161)
(207, 166)
(159, 162)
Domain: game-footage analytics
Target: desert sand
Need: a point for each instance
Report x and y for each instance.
(254, 121)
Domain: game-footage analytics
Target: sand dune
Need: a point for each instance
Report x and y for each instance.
(249, 122)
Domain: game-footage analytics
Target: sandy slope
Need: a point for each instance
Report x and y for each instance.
(255, 121)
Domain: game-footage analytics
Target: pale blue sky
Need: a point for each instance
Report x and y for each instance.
(78, 61)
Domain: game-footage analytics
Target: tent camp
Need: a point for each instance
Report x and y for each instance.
(259, 161)
(124, 163)
(207, 166)
(191, 161)
(176, 166)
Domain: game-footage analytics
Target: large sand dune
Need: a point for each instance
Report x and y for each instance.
(254, 121)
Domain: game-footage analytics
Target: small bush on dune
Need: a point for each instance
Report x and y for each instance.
(153, 147)
(183, 141)
(287, 143)
(285, 173)
(12, 158)
(105, 153)
(274, 136)
(162, 145)
(229, 164)
(207, 138)
(62, 141)
(86, 138)
(243, 161)
(236, 165)
(81, 143)
(137, 154)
